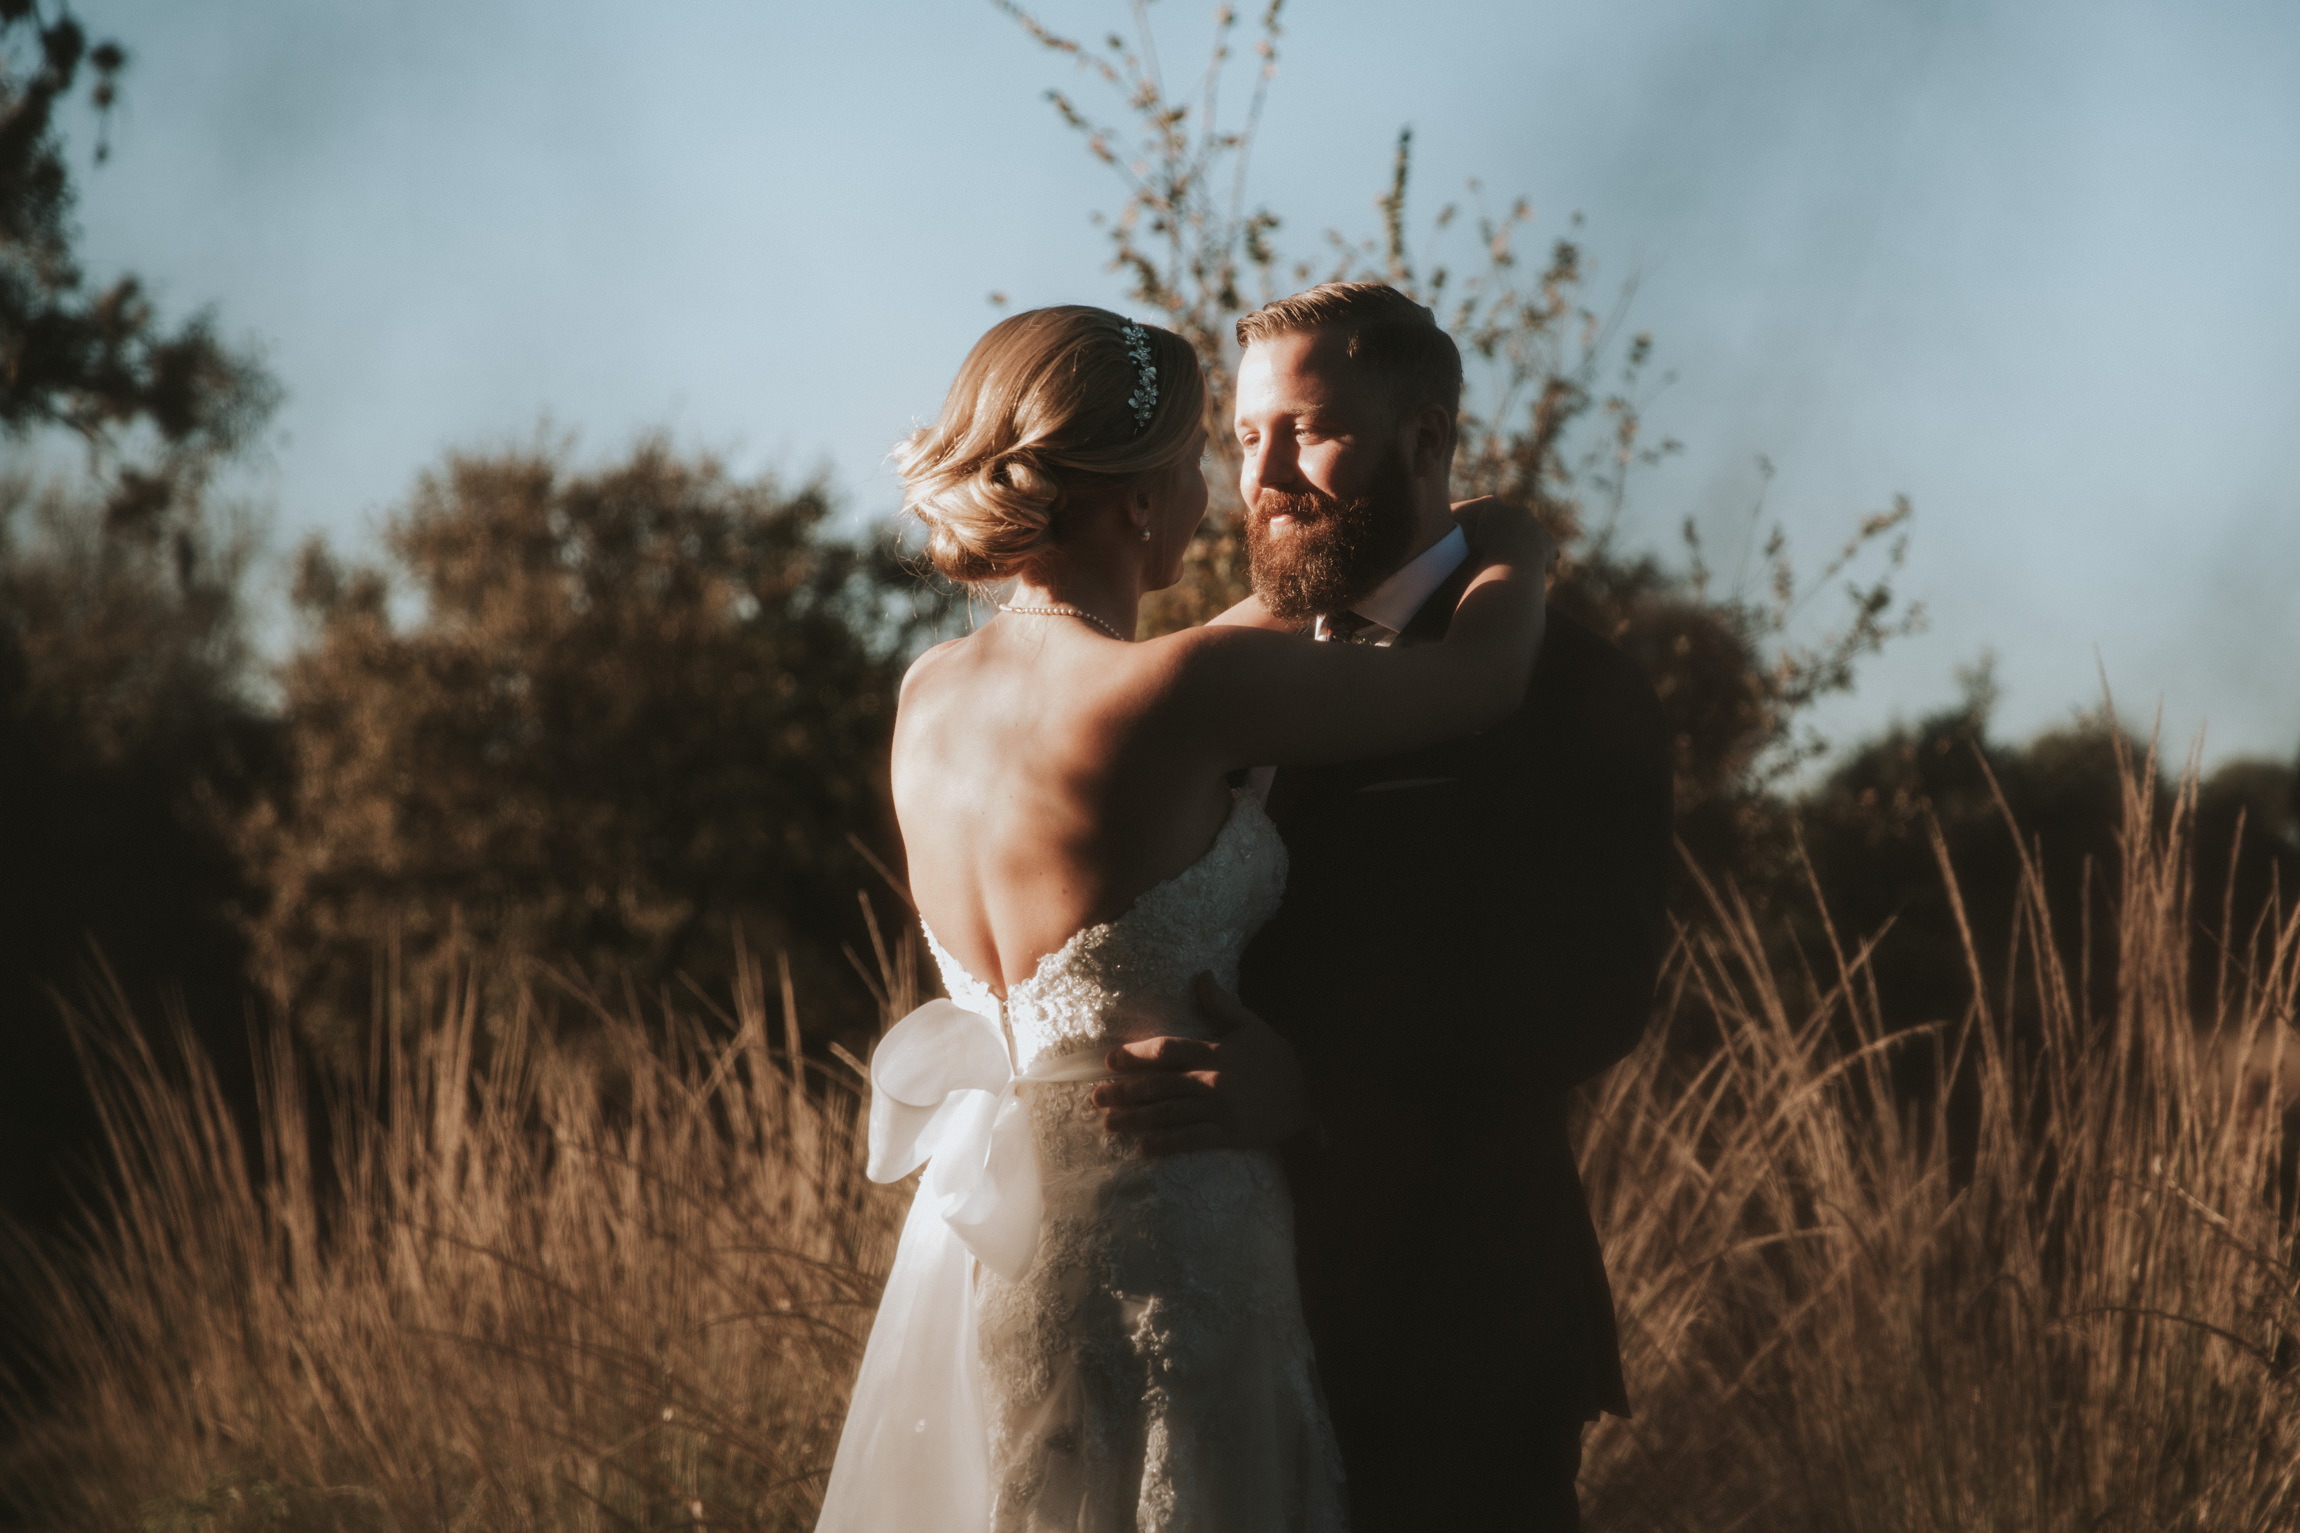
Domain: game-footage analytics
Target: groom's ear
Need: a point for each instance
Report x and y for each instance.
(1428, 430)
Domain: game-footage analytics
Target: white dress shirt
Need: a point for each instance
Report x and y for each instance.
(1393, 603)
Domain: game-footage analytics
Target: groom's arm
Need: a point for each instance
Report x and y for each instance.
(1239, 1090)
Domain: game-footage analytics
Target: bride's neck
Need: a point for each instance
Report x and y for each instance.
(1111, 593)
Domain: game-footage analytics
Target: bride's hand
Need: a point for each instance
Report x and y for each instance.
(1504, 533)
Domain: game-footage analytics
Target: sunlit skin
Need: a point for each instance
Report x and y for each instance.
(1307, 418)
(1045, 774)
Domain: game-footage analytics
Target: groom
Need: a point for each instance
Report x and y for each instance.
(1468, 931)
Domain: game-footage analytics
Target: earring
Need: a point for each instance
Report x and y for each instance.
(1145, 532)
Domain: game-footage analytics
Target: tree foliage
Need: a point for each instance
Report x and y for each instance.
(129, 744)
(1877, 829)
(130, 739)
(597, 719)
(155, 407)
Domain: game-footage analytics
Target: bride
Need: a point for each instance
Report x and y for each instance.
(1075, 1336)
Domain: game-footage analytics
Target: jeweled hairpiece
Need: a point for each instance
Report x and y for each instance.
(1144, 400)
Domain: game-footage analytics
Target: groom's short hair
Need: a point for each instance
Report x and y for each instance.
(1394, 338)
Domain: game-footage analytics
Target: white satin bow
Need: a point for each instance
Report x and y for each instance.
(943, 1096)
(915, 1451)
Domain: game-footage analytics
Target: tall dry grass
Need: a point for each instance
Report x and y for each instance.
(608, 1285)
(622, 1285)
(2054, 1290)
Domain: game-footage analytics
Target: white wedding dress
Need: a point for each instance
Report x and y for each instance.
(1075, 1337)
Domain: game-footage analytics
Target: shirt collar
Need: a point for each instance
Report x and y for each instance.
(1394, 602)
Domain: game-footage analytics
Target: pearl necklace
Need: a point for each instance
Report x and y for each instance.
(1076, 612)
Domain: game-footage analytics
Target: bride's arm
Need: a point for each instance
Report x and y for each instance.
(1252, 696)
(1250, 613)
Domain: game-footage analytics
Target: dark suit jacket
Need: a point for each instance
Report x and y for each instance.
(1468, 931)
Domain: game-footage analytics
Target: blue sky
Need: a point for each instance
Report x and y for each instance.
(2031, 264)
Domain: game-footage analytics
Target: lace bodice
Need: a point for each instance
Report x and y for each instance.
(1111, 982)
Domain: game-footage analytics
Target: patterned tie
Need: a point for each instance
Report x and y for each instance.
(1348, 628)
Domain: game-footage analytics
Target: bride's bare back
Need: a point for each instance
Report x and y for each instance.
(1040, 789)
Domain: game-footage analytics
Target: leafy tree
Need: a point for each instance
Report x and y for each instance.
(128, 746)
(600, 720)
(1869, 829)
(155, 408)
(128, 737)
(2247, 855)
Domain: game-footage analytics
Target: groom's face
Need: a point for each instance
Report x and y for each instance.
(1326, 478)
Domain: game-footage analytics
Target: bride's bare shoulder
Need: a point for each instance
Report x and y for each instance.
(935, 663)
(1104, 681)
(930, 687)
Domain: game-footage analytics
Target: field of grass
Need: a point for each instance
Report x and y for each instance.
(615, 1285)
(2055, 1291)
(2021, 1269)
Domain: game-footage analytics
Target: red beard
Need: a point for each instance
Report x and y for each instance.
(1338, 550)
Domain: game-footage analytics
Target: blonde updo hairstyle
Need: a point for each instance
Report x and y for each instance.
(1036, 424)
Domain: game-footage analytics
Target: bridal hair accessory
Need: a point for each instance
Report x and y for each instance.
(1144, 399)
(1077, 612)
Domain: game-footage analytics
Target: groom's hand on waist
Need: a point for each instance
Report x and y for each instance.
(1238, 1090)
